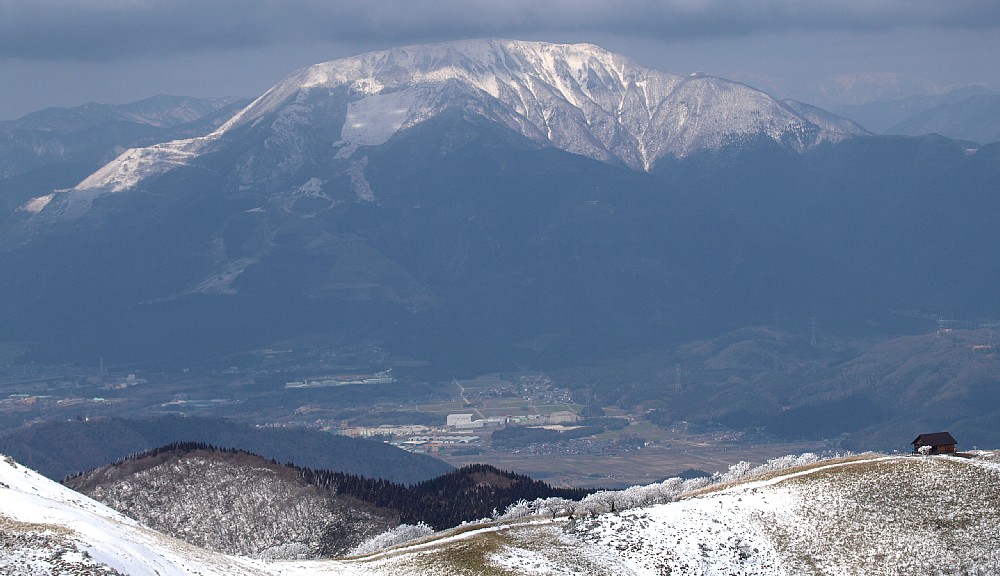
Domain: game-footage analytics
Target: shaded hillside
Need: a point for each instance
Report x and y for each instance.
(233, 502)
(239, 503)
(470, 493)
(867, 392)
(58, 449)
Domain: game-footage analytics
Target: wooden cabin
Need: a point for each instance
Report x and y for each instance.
(939, 442)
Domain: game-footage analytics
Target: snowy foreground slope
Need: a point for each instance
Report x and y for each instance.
(46, 528)
(868, 515)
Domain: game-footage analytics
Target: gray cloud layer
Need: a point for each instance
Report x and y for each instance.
(110, 29)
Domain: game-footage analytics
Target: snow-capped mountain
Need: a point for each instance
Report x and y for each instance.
(456, 202)
(578, 98)
(867, 514)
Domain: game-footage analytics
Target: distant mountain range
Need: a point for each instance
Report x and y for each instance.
(955, 114)
(486, 205)
(61, 448)
(865, 87)
(976, 118)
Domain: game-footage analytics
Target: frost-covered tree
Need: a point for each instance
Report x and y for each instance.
(394, 537)
(520, 509)
(556, 506)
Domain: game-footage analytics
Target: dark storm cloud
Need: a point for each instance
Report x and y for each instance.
(105, 29)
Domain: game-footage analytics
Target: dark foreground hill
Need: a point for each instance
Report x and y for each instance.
(57, 449)
(234, 502)
(239, 503)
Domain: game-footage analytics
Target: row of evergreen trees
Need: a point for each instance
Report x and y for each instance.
(470, 493)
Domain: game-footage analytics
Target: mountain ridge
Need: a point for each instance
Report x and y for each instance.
(577, 98)
(61, 448)
(864, 514)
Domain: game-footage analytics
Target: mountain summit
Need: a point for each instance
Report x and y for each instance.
(492, 201)
(578, 98)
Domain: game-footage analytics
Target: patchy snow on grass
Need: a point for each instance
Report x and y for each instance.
(868, 514)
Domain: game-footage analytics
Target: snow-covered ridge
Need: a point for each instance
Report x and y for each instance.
(134, 164)
(868, 514)
(579, 98)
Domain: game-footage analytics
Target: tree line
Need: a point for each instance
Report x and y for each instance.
(469, 493)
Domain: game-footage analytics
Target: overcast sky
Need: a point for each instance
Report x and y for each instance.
(68, 52)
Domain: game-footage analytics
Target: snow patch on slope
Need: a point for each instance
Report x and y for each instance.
(136, 164)
(36, 205)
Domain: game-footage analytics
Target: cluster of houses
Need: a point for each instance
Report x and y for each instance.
(466, 421)
(461, 427)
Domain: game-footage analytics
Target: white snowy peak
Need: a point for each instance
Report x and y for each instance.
(578, 98)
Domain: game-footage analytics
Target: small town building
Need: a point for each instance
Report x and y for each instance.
(459, 419)
(562, 417)
(936, 443)
(463, 421)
